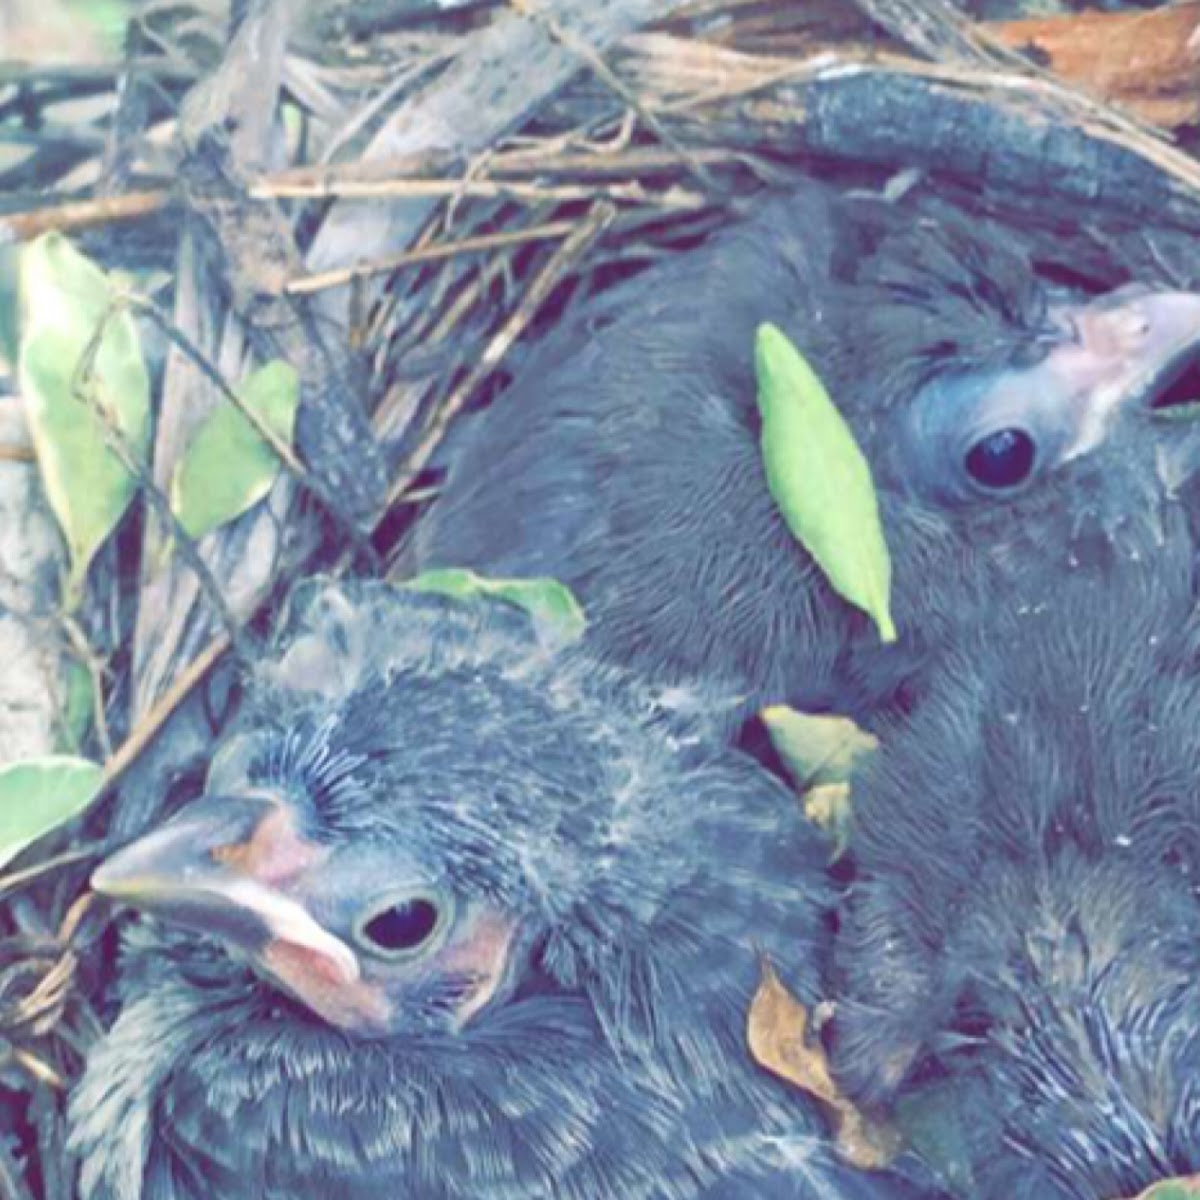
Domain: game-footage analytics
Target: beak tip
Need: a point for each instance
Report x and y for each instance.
(124, 874)
(109, 880)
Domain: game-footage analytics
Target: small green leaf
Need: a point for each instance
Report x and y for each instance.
(75, 717)
(39, 795)
(293, 122)
(65, 298)
(817, 748)
(820, 479)
(820, 752)
(555, 611)
(229, 466)
(1173, 1189)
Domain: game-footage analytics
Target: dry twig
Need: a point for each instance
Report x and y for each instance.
(567, 256)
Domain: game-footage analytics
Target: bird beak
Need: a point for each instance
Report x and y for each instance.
(1131, 349)
(229, 867)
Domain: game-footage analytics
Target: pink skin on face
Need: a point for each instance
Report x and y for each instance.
(204, 866)
(1121, 344)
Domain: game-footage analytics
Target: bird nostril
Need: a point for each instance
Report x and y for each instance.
(1115, 331)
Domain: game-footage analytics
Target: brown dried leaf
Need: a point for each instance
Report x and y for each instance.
(777, 1031)
(1145, 61)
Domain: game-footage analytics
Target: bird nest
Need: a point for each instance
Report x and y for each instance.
(397, 198)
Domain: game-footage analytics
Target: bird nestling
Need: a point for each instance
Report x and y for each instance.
(1023, 925)
(1008, 426)
(457, 917)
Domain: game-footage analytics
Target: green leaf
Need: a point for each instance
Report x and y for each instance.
(820, 479)
(555, 611)
(1173, 1189)
(75, 719)
(39, 795)
(229, 466)
(817, 748)
(65, 297)
(820, 752)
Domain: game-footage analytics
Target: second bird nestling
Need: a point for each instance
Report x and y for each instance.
(1008, 424)
(1022, 930)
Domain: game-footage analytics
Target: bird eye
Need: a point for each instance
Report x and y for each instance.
(1002, 460)
(403, 926)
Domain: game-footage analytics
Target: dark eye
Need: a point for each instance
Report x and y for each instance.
(402, 926)
(1002, 460)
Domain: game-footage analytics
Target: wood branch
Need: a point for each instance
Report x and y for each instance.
(81, 215)
(999, 132)
(425, 254)
(993, 130)
(258, 258)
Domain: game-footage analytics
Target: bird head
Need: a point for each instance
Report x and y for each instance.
(371, 938)
(986, 380)
(1106, 364)
(1017, 431)
(425, 813)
